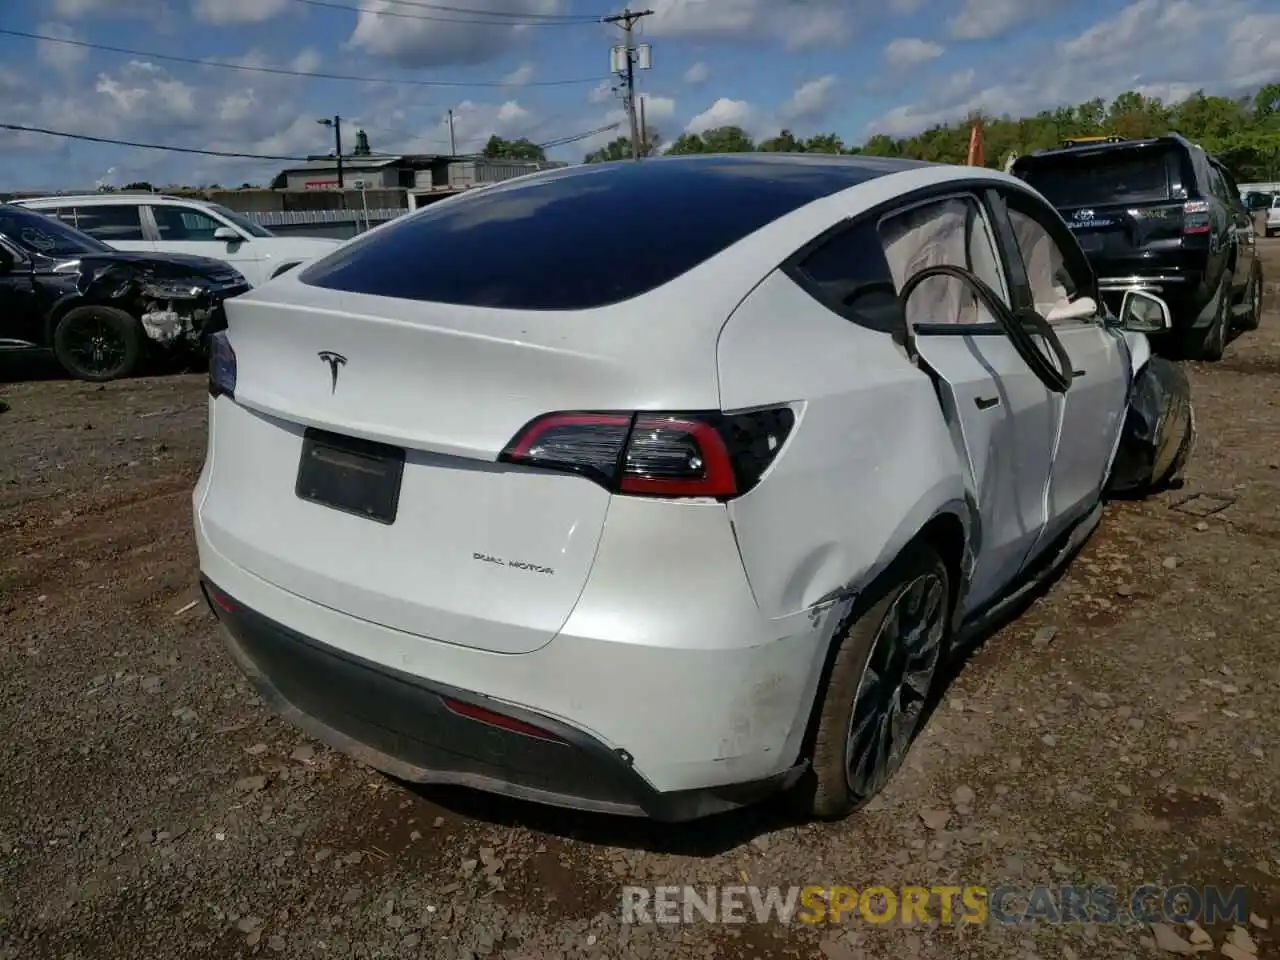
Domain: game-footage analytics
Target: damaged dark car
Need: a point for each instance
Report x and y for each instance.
(103, 311)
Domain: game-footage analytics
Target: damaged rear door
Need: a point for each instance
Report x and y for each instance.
(1002, 417)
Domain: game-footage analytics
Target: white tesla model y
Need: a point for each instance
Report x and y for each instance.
(656, 487)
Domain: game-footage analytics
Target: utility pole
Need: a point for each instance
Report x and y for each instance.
(623, 61)
(644, 132)
(336, 123)
(453, 149)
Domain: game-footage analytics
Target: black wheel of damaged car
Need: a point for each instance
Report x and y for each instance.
(1253, 299)
(880, 680)
(98, 343)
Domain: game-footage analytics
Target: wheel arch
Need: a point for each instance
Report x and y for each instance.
(60, 309)
(948, 530)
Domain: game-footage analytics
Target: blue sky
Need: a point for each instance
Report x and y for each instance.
(855, 67)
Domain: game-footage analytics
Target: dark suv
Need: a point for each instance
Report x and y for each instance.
(102, 310)
(1162, 215)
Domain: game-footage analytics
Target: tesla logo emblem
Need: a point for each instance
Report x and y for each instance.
(1084, 214)
(335, 361)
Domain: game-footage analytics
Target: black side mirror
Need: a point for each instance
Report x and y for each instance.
(6, 261)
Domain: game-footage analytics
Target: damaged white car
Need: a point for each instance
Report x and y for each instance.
(100, 310)
(686, 503)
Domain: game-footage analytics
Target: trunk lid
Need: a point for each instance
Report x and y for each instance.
(478, 553)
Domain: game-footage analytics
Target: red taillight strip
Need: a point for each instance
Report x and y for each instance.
(718, 481)
(489, 717)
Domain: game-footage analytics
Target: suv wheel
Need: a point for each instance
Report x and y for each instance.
(1253, 298)
(880, 681)
(1208, 343)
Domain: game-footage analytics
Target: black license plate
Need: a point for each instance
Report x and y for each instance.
(355, 476)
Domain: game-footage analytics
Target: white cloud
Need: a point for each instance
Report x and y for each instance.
(905, 6)
(225, 12)
(142, 101)
(75, 9)
(658, 114)
(911, 52)
(726, 113)
(394, 32)
(1177, 39)
(601, 92)
(810, 101)
(520, 75)
(696, 74)
(1255, 48)
(473, 124)
(982, 19)
(60, 56)
(801, 24)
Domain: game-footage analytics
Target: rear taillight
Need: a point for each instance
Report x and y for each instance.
(657, 454)
(222, 366)
(1195, 217)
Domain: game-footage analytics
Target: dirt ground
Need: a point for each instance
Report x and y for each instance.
(1123, 731)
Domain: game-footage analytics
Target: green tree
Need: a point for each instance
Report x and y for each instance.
(687, 143)
(523, 149)
(730, 139)
(784, 142)
(620, 148)
(824, 143)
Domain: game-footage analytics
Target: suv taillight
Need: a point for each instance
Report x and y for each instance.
(657, 454)
(1195, 217)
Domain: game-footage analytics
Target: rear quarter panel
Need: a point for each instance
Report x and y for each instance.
(869, 463)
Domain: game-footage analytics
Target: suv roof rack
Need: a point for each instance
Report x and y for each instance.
(1081, 141)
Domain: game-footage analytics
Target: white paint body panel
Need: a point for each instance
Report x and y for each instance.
(853, 484)
(689, 633)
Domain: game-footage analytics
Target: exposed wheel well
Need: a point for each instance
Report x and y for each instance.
(945, 533)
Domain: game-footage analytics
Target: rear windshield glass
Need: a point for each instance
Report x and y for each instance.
(584, 237)
(1115, 176)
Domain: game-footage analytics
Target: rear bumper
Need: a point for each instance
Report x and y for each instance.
(420, 730)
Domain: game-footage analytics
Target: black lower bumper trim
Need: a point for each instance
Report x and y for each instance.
(401, 724)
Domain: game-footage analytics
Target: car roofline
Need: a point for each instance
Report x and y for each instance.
(1103, 147)
(104, 198)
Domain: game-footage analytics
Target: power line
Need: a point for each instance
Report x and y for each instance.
(519, 20)
(22, 128)
(282, 71)
(145, 146)
(428, 5)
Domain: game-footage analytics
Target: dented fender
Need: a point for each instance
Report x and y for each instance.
(175, 299)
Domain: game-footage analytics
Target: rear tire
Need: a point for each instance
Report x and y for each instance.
(1208, 343)
(881, 677)
(98, 344)
(1253, 297)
